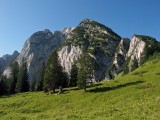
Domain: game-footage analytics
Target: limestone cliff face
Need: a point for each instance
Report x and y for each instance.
(110, 53)
(120, 58)
(94, 38)
(67, 32)
(135, 52)
(141, 47)
(7, 59)
(38, 47)
(68, 55)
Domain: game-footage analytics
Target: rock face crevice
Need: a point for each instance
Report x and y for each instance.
(119, 58)
(68, 55)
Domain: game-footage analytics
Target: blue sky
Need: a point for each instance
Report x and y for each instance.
(19, 19)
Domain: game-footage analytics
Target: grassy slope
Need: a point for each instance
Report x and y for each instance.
(134, 96)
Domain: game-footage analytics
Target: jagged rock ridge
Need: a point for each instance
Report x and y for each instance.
(141, 48)
(37, 49)
(98, 40)
(111, 53)
(6, 59)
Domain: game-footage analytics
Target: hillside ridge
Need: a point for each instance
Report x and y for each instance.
(112, 54)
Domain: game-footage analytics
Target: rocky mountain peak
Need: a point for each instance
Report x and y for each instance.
(37, 48)
(112, 54)
(67, 31)
(15, 52)
(86, 21)
(47, 30)
(7, 59)
(91, 24)
(99, 41)
(41, 36)
(96, 27)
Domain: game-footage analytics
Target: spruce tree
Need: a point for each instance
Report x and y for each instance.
(73, 76)
(40, 81)
(82, 78)
(33, 85)
(1, 70)
(89, 65)
(14, 77)
(62, 82)
(22, 83)
(3, 85)
(53, 74)
(85, 71)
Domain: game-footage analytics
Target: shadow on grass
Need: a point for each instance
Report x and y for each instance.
(94, 85)
(104, 89)
(7, 95)
(89, 86)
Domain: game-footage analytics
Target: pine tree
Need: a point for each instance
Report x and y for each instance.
(33, 85)
(14, 77)
(0, 70)
(53, 74)
(85, 71)
(89, 65)
(40, 81)
(22, 83)
(82, 78)
(62, 82)
(73, 76)
(3, 85)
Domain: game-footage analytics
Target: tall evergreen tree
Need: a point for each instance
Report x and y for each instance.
(85, 71)
(89, 64)
(73, 76)
(0, 70)
(40, 81)
(3, 85)
(53, 74)
(22, 83)
(14, 77)
(63, 81)
(33, 85)
(81, 77)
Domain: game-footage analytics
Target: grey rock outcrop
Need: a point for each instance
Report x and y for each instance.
(120, 58)
(7, 59)
(135, 52)
(68, 55)
(141, 47)
(37, 49)
(99, 41)
(111, 54)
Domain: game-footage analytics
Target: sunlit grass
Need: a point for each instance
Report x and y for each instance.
(135, 96)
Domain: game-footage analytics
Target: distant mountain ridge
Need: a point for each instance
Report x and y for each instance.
(6, 59)
(112, 54)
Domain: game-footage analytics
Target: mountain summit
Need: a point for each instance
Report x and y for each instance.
(7, 59)
(110, 53)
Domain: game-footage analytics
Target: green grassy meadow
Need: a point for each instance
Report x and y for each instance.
(135, 96)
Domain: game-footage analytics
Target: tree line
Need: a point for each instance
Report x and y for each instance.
(51, 76)
(18, 81)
